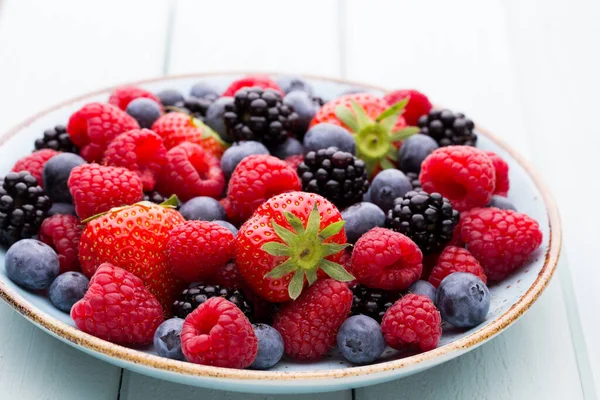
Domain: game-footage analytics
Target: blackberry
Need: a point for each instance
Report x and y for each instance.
(260, 115)
(413, 177)
(372, 302)
(23, 207)
(448, 128)
(195, 106)
(192, 297)
(428, 219)
(337, 175)
(57, 139)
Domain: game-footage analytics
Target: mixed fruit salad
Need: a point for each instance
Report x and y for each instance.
(232, 229)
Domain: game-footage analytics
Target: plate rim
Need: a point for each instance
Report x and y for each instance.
(125, 354)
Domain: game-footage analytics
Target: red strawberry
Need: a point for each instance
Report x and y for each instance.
(252, 80)
(288, 240)
(122, 96)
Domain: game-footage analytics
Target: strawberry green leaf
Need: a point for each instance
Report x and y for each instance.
(392, 154)
(333, 248)
(389, 122)
(336, 271)
(296, 284)
(404, 133)
(361, 115)
(171, 202)
(282, 270)
(394, 110)
(311, 276)
(332, 230)
(345, 115)
(386, 164)
(313, 223)
(277, 249)
(294, 222)
(285, 235)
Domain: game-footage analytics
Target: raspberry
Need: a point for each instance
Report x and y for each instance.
(252, 81)
(196, 249)
(141, 151)
(309, 325)
(118, 308)
(122, 96)
(501, 240)
(418, 104)
(94, 126)
(258, 178)
(98, 188)
(229, 276)
(34, 163)
(295, 160)
(455, 259)
(191, 171)
(218, 333)
(62, 233)
(384, 259)
(463, 174)
(413, 321)
(501, 168)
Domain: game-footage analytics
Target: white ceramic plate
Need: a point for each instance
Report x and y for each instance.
(510, 299)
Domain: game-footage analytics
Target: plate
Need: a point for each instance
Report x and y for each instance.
(510, 298)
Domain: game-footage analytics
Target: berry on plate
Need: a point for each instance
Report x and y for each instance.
(214, 117)
(122, 96)
(418, 104)
(31, 264)
(202, 90)
(169, 97)
(62, 233)
(360, 340)
(118, 308)
(387, 186)
(325, 135)
(502, 203)
(455, 259)
(361, 218)
(413, 151)
(424, 288)
(57, 139)
(203, 208)
(67, 289)
(305, 106)
(62, 208)
(501, 167)
(145, 111)
(237, 152)
(260, 81)
(463, 300)
(34, 163)
(372, 302)
(167, 339)
(294, 83)
(192, 297)
(291, 147)
(448, 128)
(56, 175)
(270, 347)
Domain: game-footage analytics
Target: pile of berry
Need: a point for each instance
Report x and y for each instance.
(362, 222)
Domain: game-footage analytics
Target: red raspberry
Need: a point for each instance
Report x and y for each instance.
(191, 171)
(309, 324)
(384, 259)
(418, 104)
(258, 80)
(501, 168)
(463, 174)
(218, 333)
(232, 216)
(94, 126)
(62, 233)
(141, 151)
(295, 160)
(117, 307)
(196, 249)
(501, 240)
(229, 276)
(455, 259)
(258, 178)
(34, 163)
(413, 321)
(122, 96)
(98, 188)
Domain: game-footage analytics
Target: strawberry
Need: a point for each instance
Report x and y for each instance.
(291, 239)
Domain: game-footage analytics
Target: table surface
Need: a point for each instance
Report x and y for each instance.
(522, 68)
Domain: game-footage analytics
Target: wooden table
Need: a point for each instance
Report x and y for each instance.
(527, 70)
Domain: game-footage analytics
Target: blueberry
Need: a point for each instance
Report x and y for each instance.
(67, 289)
(31, 264)
(360, 339)
(367, 196)
(214, 117)
(413, 152)
(423, 288)
(463, 300)
(304, 106)
(144, 110)
(387, 186)
(62, 208)
(294, 83)
(227, 225)
(360, 218)
(270, 346)
(502, 203)
(203, 208)
(202, 89)
(290, 147)
(236, 153)
(167, 339)
(169, 97)
(56, 174)
(322, 136)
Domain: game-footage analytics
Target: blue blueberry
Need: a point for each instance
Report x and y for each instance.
(214, 117)
(413, 152)
(202, 89)
(463, 300)
(145, 111)
(387, 186)
(360, 339)
(67, 289)
(502, 203)
(322, 136)
(360, 218)
(169, 97)
(203, 208)
(56, 174)
(227, 225)
(62, 208)
(367, 196)
(167, 339)
(237, 152)
(31, 264)
(294, 83)
(290, 147)
(304, 105)
(423, 288)
(270, 346)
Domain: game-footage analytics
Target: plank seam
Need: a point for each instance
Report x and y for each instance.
(341, 22)
(120, 385)
(169, 36)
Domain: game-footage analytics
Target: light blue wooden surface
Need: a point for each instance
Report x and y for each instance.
(517, 67)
